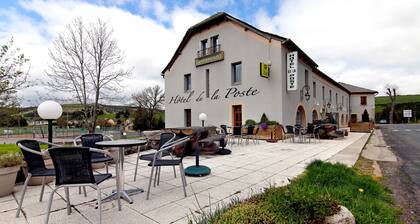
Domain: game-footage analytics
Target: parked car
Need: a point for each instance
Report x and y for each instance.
(383, 121)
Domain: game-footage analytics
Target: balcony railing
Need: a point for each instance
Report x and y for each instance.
(208, 51)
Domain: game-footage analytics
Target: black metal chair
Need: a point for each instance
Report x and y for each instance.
(158, 162)
(250, 134)
(90, 140)
(33, 157)
(237, 134)
(290, 132)
(226, 132)
(73, 168)
(165, 138)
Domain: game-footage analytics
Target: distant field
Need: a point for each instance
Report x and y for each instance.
(384, 100)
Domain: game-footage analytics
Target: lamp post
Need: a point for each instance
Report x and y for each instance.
(198, 170)
(203, 118)
(49, 110)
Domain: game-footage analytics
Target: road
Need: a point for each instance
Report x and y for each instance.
(405, 141)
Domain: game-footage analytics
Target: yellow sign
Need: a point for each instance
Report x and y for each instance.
(210, 58)
(264, 70)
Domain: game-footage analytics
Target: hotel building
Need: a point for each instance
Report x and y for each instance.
(233, 71)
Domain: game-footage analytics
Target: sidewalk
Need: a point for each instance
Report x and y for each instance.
(247, 171)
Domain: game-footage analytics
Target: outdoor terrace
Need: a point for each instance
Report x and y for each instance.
(248, 170)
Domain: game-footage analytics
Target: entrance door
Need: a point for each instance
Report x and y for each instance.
(187, 115)
(237, 115)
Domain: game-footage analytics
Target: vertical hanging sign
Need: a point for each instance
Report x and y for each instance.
(292, 71)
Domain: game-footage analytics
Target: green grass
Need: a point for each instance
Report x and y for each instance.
(313, 196)
(384, 100)
(12, 148)
(106, 116)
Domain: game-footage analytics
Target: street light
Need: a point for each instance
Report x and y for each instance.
(49, 110)
(202, 117)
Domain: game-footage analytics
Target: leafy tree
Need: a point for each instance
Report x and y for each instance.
(12, 73)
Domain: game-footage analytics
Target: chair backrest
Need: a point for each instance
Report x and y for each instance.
(224, 128)
(33, 161)
(72, 165)
(250, 130)
(310, 128)
(90, 140)
(237, 130)
(166, 137)
(290, 129)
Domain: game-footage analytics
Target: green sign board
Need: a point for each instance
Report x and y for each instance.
(210, 58)
(264, 70)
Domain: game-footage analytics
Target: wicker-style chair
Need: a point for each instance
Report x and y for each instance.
(33, 157)
(73, 168)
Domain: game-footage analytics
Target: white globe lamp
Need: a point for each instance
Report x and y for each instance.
(202, 117)
(49, 110)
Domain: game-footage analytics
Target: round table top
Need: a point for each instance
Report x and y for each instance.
(122, 143)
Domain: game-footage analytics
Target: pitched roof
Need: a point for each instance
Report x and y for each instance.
(221, 17)
(357, 89)
(323, 75)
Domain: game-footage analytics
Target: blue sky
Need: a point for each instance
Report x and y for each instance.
(369, 43)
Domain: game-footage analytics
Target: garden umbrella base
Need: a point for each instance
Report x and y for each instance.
(197, 171)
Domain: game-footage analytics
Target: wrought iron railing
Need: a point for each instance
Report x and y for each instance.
(208, 51)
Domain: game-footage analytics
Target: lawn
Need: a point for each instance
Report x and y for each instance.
(5, 148)
(384, 100)
(311, 197)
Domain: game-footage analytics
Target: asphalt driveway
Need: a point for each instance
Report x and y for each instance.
(405, 140)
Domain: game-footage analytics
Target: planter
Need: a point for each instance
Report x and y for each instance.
(361, 127)
(36, 181)
(275, 130)
(8, 179)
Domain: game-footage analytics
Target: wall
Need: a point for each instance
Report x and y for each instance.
(357, 108)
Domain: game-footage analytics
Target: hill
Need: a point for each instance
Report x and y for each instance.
(402, 102)
(384, 100)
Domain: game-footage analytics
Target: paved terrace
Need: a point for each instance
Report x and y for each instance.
(248, 170)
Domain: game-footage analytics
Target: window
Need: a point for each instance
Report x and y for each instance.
(187, 82)
(336, 99)
(237, 115)
(306, 77)
(323, 93)
(203, 48)
(330, 96)
(214, 44)
(363, 100)
(342, 100)
(207, 83)
(236, 73)
(187, 117)
(314, 89)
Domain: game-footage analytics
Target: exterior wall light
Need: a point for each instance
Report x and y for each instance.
(202, 117)
(49, 110)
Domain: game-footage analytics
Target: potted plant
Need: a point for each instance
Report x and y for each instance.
(9, 167)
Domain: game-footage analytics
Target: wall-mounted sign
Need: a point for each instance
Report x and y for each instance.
(210, 58)
(231, 92)
(407, 113)
(292, 71)
(264, 70)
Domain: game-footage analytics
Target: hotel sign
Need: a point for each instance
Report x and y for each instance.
(219, 56)
(292, 71)
(218, 94)
(264, 70)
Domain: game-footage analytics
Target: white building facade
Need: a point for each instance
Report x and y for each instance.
(232, 71)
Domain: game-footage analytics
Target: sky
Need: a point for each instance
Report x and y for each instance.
(368, 43)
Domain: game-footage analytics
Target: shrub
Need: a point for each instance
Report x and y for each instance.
(365, 116)
(272, 122)
(250, 122)
(10, 159)
(249, 213)
(264, 119)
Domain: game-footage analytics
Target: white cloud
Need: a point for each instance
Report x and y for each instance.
(148, 44)
(366, 43)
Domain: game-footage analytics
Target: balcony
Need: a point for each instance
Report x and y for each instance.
(209, 55)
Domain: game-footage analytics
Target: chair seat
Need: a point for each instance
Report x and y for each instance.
(149, 156)
(41, 172)
(166, 162)
(102, 159)
(99, 178)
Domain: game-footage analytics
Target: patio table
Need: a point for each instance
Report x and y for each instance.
(120, 192)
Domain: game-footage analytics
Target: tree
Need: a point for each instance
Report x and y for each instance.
(85, 61)
(150, 100)
(12, 73)
(365, 116)
(391, 91)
